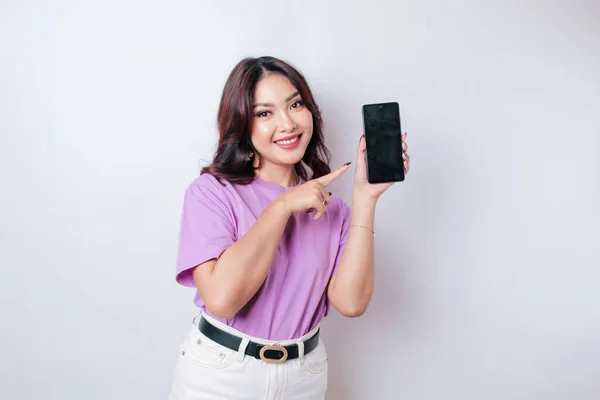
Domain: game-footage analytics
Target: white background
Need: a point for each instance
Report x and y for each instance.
(487, 255)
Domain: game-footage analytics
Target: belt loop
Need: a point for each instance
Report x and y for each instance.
(242, 349)
(196, 318)
(301, 351)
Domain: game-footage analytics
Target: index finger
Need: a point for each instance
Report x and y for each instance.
(332, 176)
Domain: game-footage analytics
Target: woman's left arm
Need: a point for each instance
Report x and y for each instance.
(351, 288)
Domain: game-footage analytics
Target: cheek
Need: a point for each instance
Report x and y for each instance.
(261, 133)
(306, 120)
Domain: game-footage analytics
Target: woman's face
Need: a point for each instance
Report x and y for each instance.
(282, 126)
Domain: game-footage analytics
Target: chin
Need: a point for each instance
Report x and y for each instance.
(291, 157)
(291, 160)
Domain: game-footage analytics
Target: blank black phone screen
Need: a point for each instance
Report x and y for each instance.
(383, 135)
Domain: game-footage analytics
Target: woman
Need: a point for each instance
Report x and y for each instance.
(268, 247)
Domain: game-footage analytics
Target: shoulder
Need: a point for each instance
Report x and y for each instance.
(208, 184)
(209, 197)
(209, 190)
(207, 180)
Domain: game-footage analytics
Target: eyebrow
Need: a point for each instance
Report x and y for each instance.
(271, 105)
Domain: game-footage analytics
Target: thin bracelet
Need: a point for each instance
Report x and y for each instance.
(362, 226)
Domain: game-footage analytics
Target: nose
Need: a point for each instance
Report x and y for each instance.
(286, 124)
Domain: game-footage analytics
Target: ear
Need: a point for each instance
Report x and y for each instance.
(250, 153)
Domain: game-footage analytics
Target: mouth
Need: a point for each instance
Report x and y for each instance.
(288, 142)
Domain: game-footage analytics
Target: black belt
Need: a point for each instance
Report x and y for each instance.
(268, 353)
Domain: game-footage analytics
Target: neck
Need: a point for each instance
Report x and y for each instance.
(283, 175)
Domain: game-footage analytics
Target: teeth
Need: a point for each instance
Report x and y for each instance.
(290, 141)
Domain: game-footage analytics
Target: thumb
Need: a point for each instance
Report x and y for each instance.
(361, 160)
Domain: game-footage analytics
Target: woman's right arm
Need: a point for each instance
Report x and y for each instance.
(226, 284)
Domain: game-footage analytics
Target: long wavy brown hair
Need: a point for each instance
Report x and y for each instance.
(234, 157)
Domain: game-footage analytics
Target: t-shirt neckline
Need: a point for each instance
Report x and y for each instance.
(277, 186)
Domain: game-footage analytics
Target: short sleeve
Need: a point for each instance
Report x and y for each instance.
(346, 213)
(207, 228)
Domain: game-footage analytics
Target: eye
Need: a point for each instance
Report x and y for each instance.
(298, 104)
(263, 114)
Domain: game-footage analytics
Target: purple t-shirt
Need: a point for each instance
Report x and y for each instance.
(293, 298)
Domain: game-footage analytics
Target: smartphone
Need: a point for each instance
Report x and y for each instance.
(383, 135)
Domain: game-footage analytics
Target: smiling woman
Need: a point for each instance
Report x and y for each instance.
(267, 247)
(249, 104)
(281, 131)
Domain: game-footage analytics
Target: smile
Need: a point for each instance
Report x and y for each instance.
(288, 142)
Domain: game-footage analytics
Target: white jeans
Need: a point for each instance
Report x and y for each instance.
(207, 370)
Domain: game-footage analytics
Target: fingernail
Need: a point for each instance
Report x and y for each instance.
(359, 139)
(348, 163)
